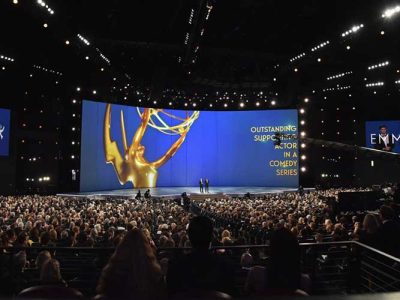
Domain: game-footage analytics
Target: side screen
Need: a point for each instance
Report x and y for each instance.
(4, 132)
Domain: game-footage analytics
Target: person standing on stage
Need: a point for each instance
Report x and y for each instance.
(206, 182)
(201, 185)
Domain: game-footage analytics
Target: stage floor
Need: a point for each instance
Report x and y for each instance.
(169, 192)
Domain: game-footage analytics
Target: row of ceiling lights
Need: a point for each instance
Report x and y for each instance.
(43, 4)
(47, 70)
(354, 29)
(3, 57)
(339, 75)
(375, 84)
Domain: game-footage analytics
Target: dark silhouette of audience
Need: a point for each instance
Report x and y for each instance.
(50, 273)
(200, 270)
(389, 232)
(282, 273)
(133, 271)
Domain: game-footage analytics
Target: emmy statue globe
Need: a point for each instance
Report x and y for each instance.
(132, 166)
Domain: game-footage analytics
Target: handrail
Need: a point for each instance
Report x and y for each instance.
(378, 251)
(211, 248)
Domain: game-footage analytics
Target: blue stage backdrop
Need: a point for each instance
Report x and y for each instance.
(4, 131)
(372, 129)
(230, 148)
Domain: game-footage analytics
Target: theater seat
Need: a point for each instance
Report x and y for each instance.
(50, 292)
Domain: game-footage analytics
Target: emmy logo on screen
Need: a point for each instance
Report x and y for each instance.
(2, 128)
(132, 166)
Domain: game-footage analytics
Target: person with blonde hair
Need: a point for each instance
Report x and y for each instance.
(133, 271)
(368, 233)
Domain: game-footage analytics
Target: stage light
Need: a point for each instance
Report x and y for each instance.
(15, 1)
(382, 32)
(94, 92)
(78, 89)
(319, 60)
(211, 105)
(320, 46)
(391, 12)
(303, 157)
(303, 169)
(380, 65)
(73, 142)
(45, 25)
(102, 69)
(348, 47)
(72, 156)
(73, 128)
(87, 57)
(257, 103)
(338, 76)
(354, 29)
(66, 42)
(273, 102)
(303, 134)
(302, 122)
(74, 101)
(297, 57)
(242, 104)
(375, 84)
(303, 145)
(296, 70)
(83, 39)
(225, 105)
(302, 110)
(6, 58)
(306, 100)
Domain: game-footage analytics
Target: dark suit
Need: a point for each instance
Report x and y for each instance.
(200, 270)
(380, 144)
(388, 238)
(201, 186)
(206, 183)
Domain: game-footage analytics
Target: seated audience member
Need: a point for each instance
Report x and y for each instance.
(368, 234)
(50, 273)
(388, 232)
(42, 258)
(200, 270)
(282, 275)
(246, 261)
(132, 271)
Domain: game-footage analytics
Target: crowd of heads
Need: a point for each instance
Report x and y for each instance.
(136, 228)
(65, 222)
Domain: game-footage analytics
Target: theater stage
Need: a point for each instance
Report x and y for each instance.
(173, 192)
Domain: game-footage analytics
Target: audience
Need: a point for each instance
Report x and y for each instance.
(133, 271)
(136, 228)
(50, 273)
(389, 232)
(200, 270)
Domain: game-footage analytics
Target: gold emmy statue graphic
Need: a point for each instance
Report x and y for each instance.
(133, 166)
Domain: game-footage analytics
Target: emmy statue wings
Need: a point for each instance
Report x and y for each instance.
(133, 166)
